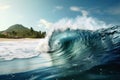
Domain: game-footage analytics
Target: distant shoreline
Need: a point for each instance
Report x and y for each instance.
(20, 39)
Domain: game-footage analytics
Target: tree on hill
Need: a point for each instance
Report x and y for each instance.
(20, 31)
(2, 36)
(43, 34)
(14, 33)
(31, 29)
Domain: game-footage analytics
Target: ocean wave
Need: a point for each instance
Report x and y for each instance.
(86, 48)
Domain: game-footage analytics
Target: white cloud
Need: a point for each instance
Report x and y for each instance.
(78, 9)
(44, 23)
(75, 8)
(59, 7)
(4, 7)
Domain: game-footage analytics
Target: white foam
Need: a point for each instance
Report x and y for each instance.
(43, 45)
(13, 54)
(18, 49)
(80, 22)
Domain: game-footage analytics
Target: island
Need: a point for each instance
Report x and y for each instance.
(19, 31)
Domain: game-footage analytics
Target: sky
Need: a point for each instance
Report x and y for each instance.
(41, 14)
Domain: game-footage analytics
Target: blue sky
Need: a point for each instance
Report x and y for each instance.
(42, 13)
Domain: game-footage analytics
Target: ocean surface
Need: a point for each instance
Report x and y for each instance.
(70, 54)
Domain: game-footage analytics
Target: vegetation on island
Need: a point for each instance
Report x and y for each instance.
(20, 31)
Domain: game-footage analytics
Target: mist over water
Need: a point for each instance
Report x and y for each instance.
(80, 22)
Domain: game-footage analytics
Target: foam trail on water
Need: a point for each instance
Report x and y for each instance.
(18, 49)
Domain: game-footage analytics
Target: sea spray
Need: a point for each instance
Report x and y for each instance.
(80, 22)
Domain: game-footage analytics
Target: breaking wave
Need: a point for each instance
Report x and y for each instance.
(84, 47)
(74, 51)
(84, 42)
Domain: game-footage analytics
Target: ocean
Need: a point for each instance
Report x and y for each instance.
(70, 54)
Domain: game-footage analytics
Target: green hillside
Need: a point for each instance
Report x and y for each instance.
(17, 27)
(20, 31)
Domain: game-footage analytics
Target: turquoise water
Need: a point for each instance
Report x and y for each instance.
(72, 55)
